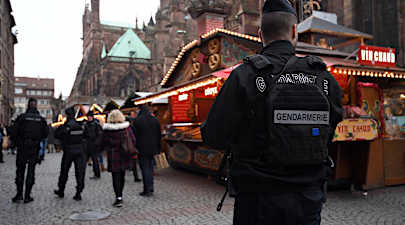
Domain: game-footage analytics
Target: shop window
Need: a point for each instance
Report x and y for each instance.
(18, 90)
(394, 113)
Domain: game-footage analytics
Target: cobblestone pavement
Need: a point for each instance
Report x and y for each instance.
(180, 198)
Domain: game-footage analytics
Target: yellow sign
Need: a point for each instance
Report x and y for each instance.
(356, 130)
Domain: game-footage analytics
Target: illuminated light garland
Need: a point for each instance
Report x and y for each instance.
(329, 69)
(363, 73)
(178, 91)
(204, 36)
(335, 71)
(350, 72)
(344, 72)
(340, 71)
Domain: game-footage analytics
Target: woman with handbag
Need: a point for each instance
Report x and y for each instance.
(119, 143)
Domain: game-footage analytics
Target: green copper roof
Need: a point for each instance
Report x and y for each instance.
(129, 45)
(104, 52)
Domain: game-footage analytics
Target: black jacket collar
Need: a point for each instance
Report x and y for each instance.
(32, 111)
(281, 48)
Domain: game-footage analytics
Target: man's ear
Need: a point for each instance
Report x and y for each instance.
(294, 35)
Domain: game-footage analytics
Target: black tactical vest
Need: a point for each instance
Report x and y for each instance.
(289, 116)
(32, 125)
(75, 133)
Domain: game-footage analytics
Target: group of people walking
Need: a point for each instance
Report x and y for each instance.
(82, 141)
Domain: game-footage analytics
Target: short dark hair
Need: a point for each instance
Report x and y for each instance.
(32, 103)
(277, 26)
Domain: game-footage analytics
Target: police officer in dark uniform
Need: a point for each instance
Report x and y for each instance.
(72, 136)
(276, 113)
(29, 130)
(93, 130)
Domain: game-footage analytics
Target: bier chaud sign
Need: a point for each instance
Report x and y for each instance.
(356, 130)
(377, 56)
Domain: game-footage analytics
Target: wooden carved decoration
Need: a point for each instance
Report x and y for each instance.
(196, 70)
(214, 46)
(194, 54)
(311, 5)
(214, 61)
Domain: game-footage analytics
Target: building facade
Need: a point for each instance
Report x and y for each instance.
(7, 42)
(41, 89)
(106, 72)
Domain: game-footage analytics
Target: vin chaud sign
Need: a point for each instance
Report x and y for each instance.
(376, 56)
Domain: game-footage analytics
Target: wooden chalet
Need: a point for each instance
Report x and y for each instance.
(366, 155)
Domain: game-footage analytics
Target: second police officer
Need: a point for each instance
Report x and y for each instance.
(28, 131)
(72, 136)
(93, 131)
(276, 113)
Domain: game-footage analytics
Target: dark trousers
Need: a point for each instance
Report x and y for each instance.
(135, 168)
(118, 179)
(94, 159)
(79, 161)
(22, 163)
(299, 208)
(146, 164)
(1, 152)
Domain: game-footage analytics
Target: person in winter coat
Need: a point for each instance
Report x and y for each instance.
(94, 130)
(114, 133)
(131, 120)
(148, 142)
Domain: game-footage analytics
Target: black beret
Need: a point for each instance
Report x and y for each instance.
(278, 6)
(70, 111)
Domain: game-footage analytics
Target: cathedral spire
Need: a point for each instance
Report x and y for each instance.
(151, 22)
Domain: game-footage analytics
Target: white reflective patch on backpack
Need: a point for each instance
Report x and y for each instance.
(299, 78)
(261, 84)
(301, 117)
(76, 132)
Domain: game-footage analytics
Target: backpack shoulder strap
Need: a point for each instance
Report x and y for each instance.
(289, 63)
(258, 62)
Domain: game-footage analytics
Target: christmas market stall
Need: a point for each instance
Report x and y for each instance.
(367, 144)
(193, 82)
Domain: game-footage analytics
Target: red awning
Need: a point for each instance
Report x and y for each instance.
(225, 72)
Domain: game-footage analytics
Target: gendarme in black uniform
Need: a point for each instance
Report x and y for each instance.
(276, 113)
(72, 136)
(29, 130)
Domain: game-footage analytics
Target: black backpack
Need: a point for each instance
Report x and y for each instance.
(290, 113)
(75, 133)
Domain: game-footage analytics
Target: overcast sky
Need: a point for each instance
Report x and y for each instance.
(49, 32)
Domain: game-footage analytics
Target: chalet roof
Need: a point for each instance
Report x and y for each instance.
(129, 45)
(301, 48)
(318, 25)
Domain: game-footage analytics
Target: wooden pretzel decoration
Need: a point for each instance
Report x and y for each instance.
(214, 61)
(196, 69)
(214, 46)
(194, 54)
